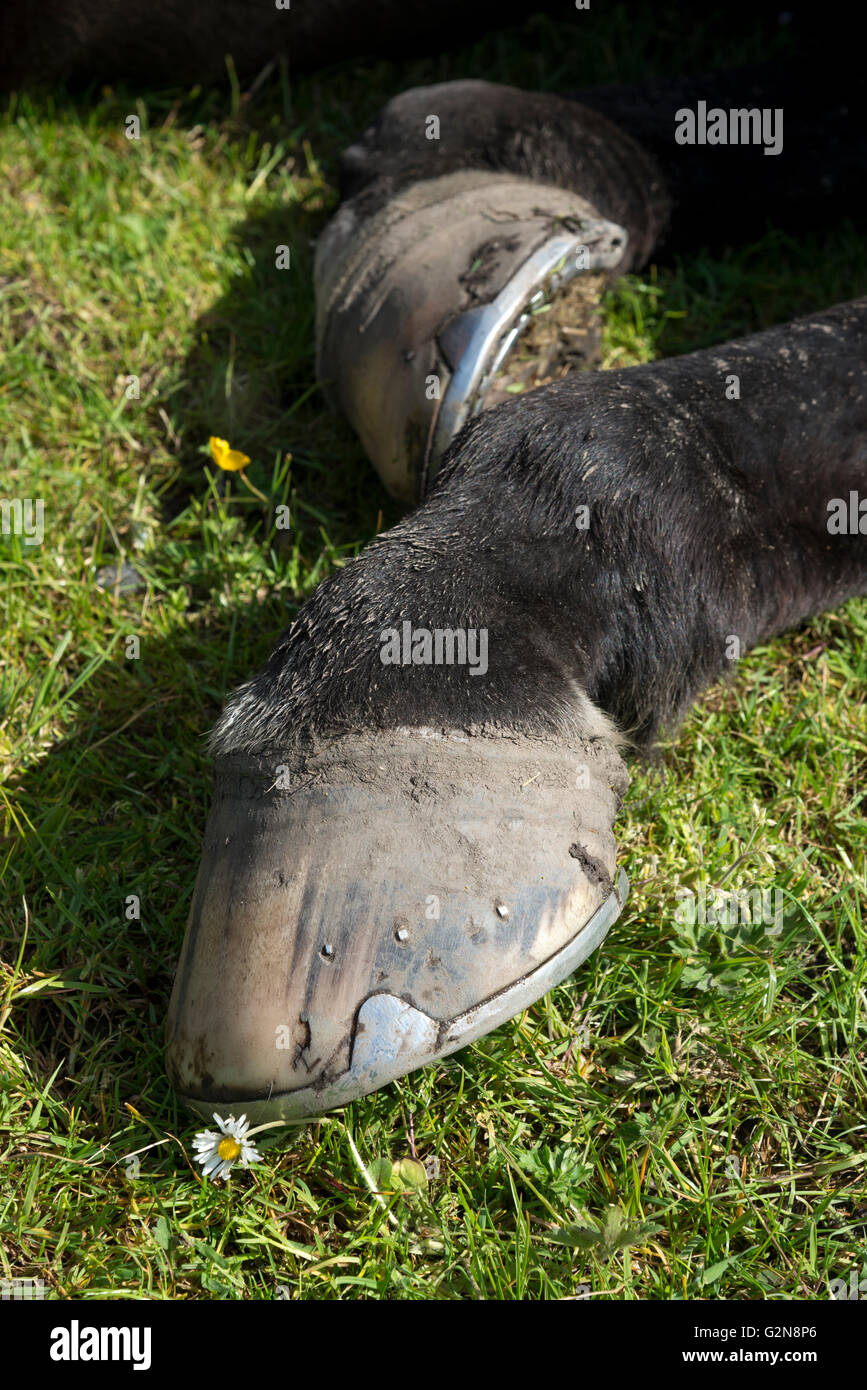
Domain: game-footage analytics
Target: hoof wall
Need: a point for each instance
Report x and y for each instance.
(370, 907)
(419, 306)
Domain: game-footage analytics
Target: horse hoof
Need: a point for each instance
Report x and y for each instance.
(420, 305)
(380, 901)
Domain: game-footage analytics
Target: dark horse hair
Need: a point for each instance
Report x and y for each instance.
(621, 536)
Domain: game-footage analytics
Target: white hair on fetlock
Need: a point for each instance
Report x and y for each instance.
(247, 723)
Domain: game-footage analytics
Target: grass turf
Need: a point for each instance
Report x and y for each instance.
(684, 1118)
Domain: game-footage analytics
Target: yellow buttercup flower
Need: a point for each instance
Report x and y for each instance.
(225, 456)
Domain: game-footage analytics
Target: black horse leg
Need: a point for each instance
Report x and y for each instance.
(403, 849)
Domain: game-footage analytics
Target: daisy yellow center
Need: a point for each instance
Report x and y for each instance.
(228, 1148)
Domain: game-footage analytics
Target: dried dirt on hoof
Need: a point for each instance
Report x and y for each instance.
(562, 336)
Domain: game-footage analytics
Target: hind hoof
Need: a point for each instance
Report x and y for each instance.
(421, 304)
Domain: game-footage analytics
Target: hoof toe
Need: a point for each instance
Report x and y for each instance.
(370, 907)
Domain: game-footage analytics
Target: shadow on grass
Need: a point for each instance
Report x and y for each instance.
(111, 824)
(105, 851)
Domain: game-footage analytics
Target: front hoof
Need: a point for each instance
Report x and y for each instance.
(377, 903)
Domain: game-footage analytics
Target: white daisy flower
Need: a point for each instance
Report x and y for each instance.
(218, 1153)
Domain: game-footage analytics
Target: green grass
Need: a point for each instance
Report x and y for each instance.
(685, 1116)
